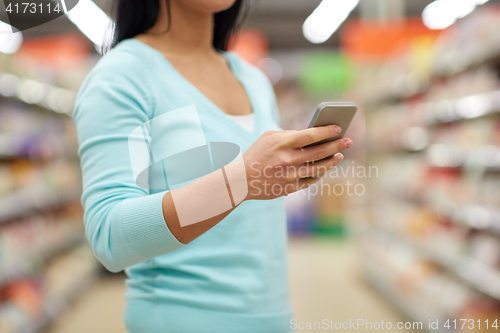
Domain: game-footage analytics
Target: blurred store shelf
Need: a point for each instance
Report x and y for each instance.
(40, 94)
(423, 285)
(45, 261)
(455, 54)
(472, 272)
(468, 107)
(432, 245)
(57, 305)
(28, 265)
(27, 201)
(386, 289)
(457, 60)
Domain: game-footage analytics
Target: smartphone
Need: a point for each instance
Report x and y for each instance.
(333, 113)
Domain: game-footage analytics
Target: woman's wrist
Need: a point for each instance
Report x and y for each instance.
(236, 177)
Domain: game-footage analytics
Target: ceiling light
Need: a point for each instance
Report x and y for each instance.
(9, 41)
(440, 14)
(326, 19)
(91, 20)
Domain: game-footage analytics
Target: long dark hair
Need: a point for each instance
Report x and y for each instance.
(133, 17)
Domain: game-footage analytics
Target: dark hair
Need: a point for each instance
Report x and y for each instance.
(133, 17)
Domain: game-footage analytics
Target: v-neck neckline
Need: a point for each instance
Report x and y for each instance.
(211, 106)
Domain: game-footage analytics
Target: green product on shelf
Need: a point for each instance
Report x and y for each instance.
(326, 73)
(331, 225)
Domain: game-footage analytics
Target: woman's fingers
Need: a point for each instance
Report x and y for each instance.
(316, 168)
(319, 152)
(306, 180)
(304, 183)
(320, 167)
(309, 136)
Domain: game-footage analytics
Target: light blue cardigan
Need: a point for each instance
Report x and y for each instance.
(231, 279)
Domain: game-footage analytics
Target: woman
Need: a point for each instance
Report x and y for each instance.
(226, 273)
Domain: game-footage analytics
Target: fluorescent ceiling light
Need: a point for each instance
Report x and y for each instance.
(91, 20)
(440, 14)
(326, 19)
(9, 41)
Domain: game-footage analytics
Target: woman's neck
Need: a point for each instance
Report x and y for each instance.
(190, 32)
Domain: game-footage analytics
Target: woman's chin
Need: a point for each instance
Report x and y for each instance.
(208, 6)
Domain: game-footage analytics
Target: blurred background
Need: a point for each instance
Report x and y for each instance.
(405, 230)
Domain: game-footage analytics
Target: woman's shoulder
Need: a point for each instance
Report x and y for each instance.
(124, 58)
(124, 67)
(121, 75)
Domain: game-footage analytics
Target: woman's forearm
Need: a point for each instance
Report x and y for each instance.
(190, 232)
(192, 210)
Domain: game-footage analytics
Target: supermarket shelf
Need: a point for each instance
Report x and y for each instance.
(473, 273)
(443, 133)
(47, 97)
(477, 217)
(387, 291)
(36, 146)
(471, 216)
(476, 166)
(36, 107)
(21, 269)
(398, 92)
(408, 88)
(36, 158)
(24, 202)
(394, 149)
(445, 112)
(482, 277)
(464, 108)
(12, 157)
(8, 158)
(448, 159)
(446, 64)
(55, 307)
(482, 158)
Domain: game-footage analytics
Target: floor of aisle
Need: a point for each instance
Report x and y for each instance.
(325, 283)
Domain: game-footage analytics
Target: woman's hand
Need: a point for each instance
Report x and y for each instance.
(277, 164)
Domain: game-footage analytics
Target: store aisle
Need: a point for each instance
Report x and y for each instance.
(326, 283)
(324, 280)
(99, 310)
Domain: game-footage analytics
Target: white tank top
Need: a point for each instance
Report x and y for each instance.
(246, 121)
